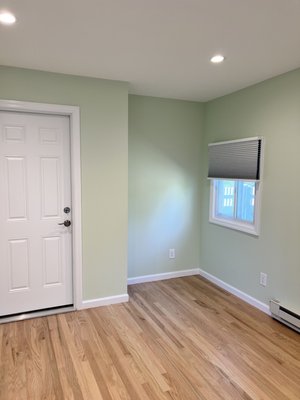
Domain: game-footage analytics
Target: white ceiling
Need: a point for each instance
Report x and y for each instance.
(161, 47)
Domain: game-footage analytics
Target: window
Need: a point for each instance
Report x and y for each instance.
(234, 170)
(234, 203)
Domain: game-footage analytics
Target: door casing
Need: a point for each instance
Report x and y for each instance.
(73, 113)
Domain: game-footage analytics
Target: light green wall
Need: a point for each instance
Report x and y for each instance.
(104, 162)
(164, 198)
(272, 110)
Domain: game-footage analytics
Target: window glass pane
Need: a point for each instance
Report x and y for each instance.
(235, 203)
(245, 201)
(224, 198)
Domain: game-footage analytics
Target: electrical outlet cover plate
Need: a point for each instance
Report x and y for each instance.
(263, 279)
(171, 253)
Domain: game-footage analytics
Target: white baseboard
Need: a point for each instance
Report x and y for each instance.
(104, 301)
(161, 277)
(238, 293)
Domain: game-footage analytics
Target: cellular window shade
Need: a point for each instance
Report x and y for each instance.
(238, 159)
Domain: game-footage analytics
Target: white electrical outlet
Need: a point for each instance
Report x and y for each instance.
(263, 279)
(171, 253)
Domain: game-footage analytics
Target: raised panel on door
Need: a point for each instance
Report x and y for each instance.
(52, 260)
(18, 265)
(16, 186)
(50, 187)
(49, 136)
(14, 134)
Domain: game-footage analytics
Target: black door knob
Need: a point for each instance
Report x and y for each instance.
(67, 222)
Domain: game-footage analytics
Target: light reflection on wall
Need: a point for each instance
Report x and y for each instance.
(162, 208)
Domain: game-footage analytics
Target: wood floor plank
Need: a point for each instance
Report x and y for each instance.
(100, 355)
(180, 339)
(67, 374)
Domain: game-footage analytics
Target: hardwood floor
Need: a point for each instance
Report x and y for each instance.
(177, 339)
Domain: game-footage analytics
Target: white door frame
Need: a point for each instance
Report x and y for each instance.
(73, 113)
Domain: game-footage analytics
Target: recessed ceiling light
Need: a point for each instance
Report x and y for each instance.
(7, 18)
(218, 58)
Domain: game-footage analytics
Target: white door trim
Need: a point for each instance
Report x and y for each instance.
(73, 113)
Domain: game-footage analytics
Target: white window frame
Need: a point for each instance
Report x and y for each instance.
(232, 223)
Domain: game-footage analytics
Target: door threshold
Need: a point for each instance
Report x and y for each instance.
(36, 314)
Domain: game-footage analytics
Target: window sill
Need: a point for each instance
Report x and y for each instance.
(250, 229)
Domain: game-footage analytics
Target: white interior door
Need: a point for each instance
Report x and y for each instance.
(35, 251)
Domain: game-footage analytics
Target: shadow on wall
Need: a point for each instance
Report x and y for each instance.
(161, 210)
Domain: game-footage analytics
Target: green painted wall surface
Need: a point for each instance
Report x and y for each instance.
(104, 162)
(164, 199)
(270, 109)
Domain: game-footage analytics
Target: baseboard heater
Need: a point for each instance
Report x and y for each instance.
(285, 315)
